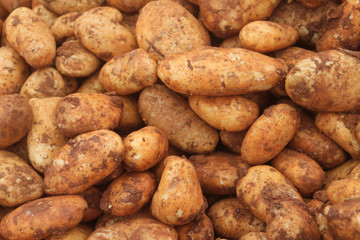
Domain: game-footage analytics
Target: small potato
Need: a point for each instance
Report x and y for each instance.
(269, 134)
(229, 113)
(219, 172)
(232, 220)
(29, 35)
(233, 140)
(15, 119)
(92, 157)
(44, 83)
(128, 193)
(92, 197)
(47, 16)
(91, 84)
(129, 22)
(64, 26)
(14, 71)
(231, 42)
(341, 190)
(83, 112)
(128, 73)
(61, 7)
(43, 217)
(165, 27)
(164, 109)
(254, 236)
(261, 186)
(128, 6)
(340, 172)
(11, 5)
(200, 228)
(178, 199)
(215, 71)
(106, 11)
(80, 232)
(74, 60)
(131, 119)
(71, 84)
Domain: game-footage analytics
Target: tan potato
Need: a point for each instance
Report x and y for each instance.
(131, 119)
(15, 119)
(159, 168)
(188, 5)
(340, 172)
(61, 7)
(92, 197)
(233, 140)
(129, 22)
(74, 60)
(354, 173)
(165, 27)
(220, 71)
(72, 84)
(340, 127)
(269, 134)
(262, 185)
(200, 228)
(29, 35)
(312, 3)
(129, 72)
(14, 71)
(234, 14)
(20, 148)
(80, 232)
(113, 175)
(64, 26)
(106, 11)
(229, 113)
(160, 107)
(47, 16)
(128, 6)
(218, 172)
(103, 36)
(340, 190)
(83, 112)
(91, 84)
(231, 42)
(44, 83)
(254, 236)
(92, 156)
(42, 217)
(178, 198)
(232, 220)
(11, 5)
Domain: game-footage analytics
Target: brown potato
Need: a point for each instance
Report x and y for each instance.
(47, 16)
(354, 173)
(113, 175)
(92, 156)
(20, 148)
(106, 11)
(91, 84)
(72, 84)
(129, 22)
(215, 71)
(233, 140)
(340, 190)
(92, 197)
(160, 107)
(29, 35)
(340, 172)
(232, 220)
(128, 6)
(200, 228)
(312, 3)
(254, 236)
(61, 7)
(35, 3)
(80, 232)
(131, 119)
(64, 26)
(11, 5)
(15, 119)
(165, 27)
(231, 42)
(83, 112)
(42, 217)
(159, 168)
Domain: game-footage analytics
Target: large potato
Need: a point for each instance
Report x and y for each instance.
(80, 232)
(29, 35)
(340, 190)
(200, 228)
(340, 172)
(64, 26)
(61, 7)
(83, 161)
(220, 71)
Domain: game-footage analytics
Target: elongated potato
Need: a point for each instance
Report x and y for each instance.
(341, 190)
(233, 140)
(340, 172)
(215, 71)
(61, 7)
(80, 232)
(29, 35)
(64, 26)
(47, 16)
(200, 228)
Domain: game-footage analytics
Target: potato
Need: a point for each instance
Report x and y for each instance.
(165, 27)
(14, 71)
(113, 175)
(159, 168)
(15, 119)
(29, 35)
(129, 72)
(178, 198)
(131, 119)
(64, 26)
(254, 236)
(354, 173)
(218, 172)
(83, 112)
(47, 16)
(340, 190)
(35, 3)
(74, 60)
(128, 6)
(92, 156)
(106, 11)
(231, 42)
(309, 140)
(200, 228)
(357, 131)
(188, 5)
(326, 82)
(312, 3)
(80, 232)
(340, 172)
(234, 14)
(20, 149)
(11, 5)
(290, 219)
(61, 7)
(269, 134)
(92, 197)
(220, 71)
(160, 107)
(103, 36)
(229, 113)
(232, 220)
(129, 22)
(340, 127)
(44, 83)
(91, 84)
(42, 217)
(262, 185)
(233, 140)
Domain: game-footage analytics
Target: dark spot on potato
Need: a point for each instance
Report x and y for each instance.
(75, 101)
(45, 138)
(15, 21)
(106, 55)
(189, 65)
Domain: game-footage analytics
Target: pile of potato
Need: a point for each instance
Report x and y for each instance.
(180, 119)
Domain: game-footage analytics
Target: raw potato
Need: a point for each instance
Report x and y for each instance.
(357, 131)
(106, 11)
(47, 16)
(72, 84)
(341, 190)
(129, 72)
(14, 71)
(80, 232)
(269, 134)
(178, 199)
(29, 35)
(113, 175)
(84, 112)
(162, 108)
(312, 3)
(165, 27)
(232, 220)
(233, 140)
(92, 197)
(218, 172)
(340, 172)
(129, 22)
(128, 193)
(15, 119)
(91, 85)
(254, 236)
(61, 7)
(42, 217)
(192, 8)
(215, 71)
(200, 228)
(231, 42)
(20, 149)
(229, 113)
(128, 6)
(83, 161)
(131, 120)
(11, 5)
(261, 186)
(64, 26)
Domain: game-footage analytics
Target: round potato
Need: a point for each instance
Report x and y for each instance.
(200, 228)
(92, 197)
(64, 26)
(47, 16)
(80, 232)
(341, 190)
(61, 7)
(254, 236)
(233, 140)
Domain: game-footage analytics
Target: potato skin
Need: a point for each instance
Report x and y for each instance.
(215, 71)
(128, 6)
(11, 5)
(92, 197)
(23, 28)
(92, 156)
(254, 236)
(233, 140)
(80, 232)
(47, 16)
(61, 7)
(231, 42)
(42, 217)
(64, 26)
(131, 119)
(340, 172)
(340, 190)
(200, 228)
